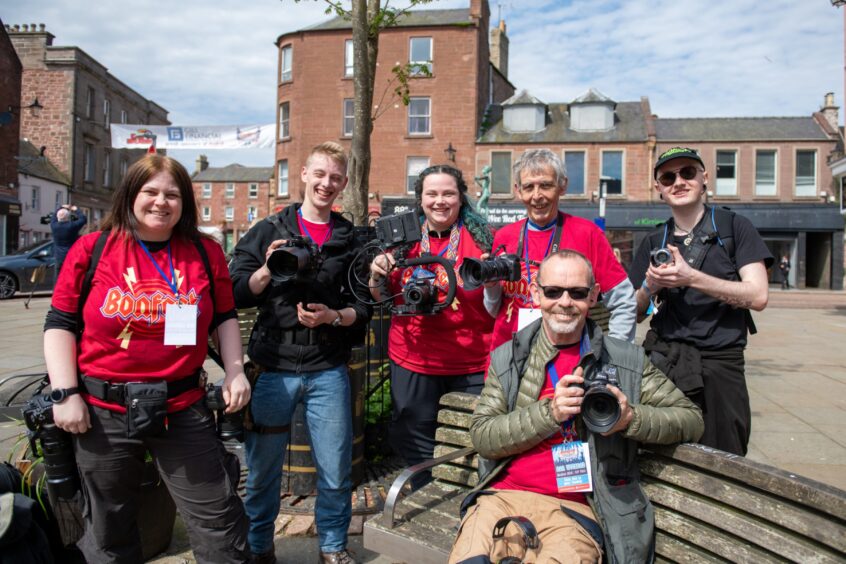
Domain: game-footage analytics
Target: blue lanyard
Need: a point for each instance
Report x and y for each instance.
(328, 233)
(172, 281)
(526, 238)
(584, 348)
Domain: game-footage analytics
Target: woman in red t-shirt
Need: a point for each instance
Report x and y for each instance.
(431, 355)
(129, 380)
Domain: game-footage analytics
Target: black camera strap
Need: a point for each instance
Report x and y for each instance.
(556, 236)
(283, 231)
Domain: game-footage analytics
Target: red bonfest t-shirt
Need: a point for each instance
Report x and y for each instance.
(533, 470)
(124, 315)
(454, 341)
(577, 234)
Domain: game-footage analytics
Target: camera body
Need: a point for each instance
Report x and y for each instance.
(46, 219)
(600, 408)
(56, 446)
(229, 425)
(419, 293)
(476, 272)
(661, 256)
(298, 259)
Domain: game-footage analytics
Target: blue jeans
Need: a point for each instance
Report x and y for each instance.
(325, 395)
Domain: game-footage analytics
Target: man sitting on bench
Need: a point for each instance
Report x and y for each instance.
(561, 474)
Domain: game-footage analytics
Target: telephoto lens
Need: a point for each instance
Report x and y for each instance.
(285, 262)
(476, 272)
(56, 447)
(600, 408)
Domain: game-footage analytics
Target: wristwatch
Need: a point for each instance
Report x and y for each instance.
(59, 395)
(338, 320)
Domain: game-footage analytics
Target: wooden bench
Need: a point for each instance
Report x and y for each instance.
(710, 506)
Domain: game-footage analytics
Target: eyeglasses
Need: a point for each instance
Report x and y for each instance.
(688, 172)
(555, 292)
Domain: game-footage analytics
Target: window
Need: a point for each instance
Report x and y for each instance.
(501, 172)
(124, 116)
(806, 176)
(107, 168)
(207, 190)
(253, 190)
(612, 172)
(282, 189)
(419, 116)
(765, 172)
(420, 56)
(348, 57)
(285, 72)
(349, 117)
(206, 213)
(284, 120)
(251, 213)
(107, 113)
(726, 173)
(229, 213)
(88, 163)
(124, 165)
(60, 199)
(574, 162)
(413, 167)
(35, 203)
(89, 103)
(230, 190)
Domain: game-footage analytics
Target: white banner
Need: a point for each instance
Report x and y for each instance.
(126, 136)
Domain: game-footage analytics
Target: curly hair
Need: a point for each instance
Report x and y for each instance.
(476, 225)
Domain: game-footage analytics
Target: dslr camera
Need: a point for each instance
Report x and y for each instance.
(600, 408)
(660, 256)
(298, 259)
(56, 446)
(476, 272)
(229, 425)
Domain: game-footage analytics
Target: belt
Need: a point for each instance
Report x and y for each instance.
(116, 392)
(299, 336)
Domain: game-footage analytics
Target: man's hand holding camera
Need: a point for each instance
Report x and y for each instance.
(569, 395)
(261, 277)
(673, 274)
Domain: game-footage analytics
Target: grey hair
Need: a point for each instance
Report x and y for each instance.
(571, 255)
(536, 160)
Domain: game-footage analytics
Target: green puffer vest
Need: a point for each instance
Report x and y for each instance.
(622, 509)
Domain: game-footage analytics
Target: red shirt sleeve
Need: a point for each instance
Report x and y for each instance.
(69, 283)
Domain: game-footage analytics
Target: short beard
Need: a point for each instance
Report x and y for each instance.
(561, 327)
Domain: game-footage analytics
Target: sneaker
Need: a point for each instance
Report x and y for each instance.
(340, 557)
(268, 557)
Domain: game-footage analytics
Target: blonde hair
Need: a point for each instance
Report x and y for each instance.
(331, 150)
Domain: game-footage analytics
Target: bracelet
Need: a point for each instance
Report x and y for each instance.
(645, 286)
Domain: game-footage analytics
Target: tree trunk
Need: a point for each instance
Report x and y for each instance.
(365, 50)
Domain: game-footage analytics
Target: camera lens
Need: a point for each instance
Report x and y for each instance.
(285, 262)
(661, 256)
(418, 294)
(59, 461)
(476, 272)
(600, 409)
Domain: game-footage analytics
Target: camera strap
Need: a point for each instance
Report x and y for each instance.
(556, 236)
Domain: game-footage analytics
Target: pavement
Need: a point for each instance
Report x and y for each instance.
(795, 371)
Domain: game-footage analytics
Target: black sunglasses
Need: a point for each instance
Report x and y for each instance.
(555, 292)
(669, 178)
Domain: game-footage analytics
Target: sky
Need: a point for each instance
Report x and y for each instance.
(213, 62)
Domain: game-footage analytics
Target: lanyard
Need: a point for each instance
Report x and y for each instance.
(548, 246)
(305, 230)
(172, 282)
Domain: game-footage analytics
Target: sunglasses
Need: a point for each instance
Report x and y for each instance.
(555, 292)
(688, 172)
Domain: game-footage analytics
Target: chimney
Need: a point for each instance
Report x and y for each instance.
(499, 48)
(202, 164)
(829, 111)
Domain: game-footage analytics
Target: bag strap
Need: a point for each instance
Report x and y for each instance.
(99, 245)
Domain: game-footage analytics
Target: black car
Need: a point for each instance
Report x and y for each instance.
(31, 268)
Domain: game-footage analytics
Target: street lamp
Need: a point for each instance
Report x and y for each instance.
(450, 150)
(34, 109)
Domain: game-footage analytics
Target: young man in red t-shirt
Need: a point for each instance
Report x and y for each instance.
(539, 181)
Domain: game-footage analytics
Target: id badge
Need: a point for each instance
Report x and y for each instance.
(572, 467)
(527, 316)
(180, 324)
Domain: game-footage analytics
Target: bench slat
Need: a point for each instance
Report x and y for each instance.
(456, 474)
(471, 461)
(671, 549)
(453, 436)
(454, 418)
(460, 401)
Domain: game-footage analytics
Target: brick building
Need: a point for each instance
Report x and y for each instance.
(231, 198)
(10, 127)
(81, 99)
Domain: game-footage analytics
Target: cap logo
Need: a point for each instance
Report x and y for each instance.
(675, 150)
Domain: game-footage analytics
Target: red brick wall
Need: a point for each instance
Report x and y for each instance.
(218, 202)
(10, 94)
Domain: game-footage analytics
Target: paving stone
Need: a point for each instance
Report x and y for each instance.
(300, 525)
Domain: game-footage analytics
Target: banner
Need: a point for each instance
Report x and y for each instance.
(126, 136)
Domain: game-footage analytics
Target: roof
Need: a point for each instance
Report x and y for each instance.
(414, 18)
(522, 97)
(593, 96)
(33, 163)
(629, 127)
(739, 129)
(234, 173)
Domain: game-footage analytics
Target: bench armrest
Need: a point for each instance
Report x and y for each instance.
(405, 475)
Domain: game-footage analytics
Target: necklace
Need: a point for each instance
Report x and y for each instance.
(688, 236)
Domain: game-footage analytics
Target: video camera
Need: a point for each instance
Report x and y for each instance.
(56, 446)
(600, 408)
(298, 259)
(229, 425)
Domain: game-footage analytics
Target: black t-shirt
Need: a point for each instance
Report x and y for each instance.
(691, 316)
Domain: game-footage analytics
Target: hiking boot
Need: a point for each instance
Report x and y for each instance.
(340, 557)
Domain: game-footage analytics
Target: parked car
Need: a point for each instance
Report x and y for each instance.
(16, 271)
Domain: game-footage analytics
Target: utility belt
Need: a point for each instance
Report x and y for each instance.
(145, 402)
(299, 335)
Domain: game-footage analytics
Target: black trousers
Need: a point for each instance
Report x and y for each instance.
(415, 398)
(190, 461)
